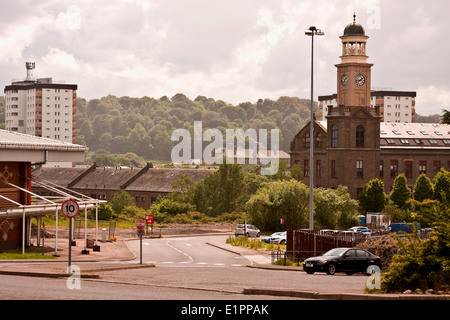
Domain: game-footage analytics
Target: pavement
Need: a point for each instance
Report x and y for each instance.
(117, 256)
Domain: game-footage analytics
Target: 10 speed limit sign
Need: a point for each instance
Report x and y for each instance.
(70, 209)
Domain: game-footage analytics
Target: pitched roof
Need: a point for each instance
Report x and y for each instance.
(160, 180)
(15, 140)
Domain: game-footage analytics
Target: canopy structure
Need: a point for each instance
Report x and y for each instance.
(18, 154)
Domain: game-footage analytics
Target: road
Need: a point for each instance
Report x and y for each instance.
(193, 252)
(187, 268)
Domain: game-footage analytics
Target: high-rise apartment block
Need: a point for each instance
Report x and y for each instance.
(41, 107)
(395, 106)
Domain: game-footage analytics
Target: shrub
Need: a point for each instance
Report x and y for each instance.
(386, 247)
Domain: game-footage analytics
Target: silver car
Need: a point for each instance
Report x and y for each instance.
(247, 230)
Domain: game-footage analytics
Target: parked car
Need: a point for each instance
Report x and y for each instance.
(348, 260)
(360, 229)
(247, 230)
(398, 227)
(267, 239)
(279, 238)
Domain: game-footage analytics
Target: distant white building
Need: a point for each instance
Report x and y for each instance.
(395, 106)
(41, 108)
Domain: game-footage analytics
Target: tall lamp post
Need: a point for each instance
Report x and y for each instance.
(312, 31)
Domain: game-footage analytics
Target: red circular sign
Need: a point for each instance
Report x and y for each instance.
(150, 219)
(70, 209)
(140, 224)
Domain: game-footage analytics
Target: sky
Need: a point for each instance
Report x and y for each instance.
(233, 50)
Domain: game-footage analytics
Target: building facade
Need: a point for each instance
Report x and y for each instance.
(18, 205)
(41, 108)
(353, 145)
(395, 106)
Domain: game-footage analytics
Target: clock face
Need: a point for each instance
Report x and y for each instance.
(360, 80)
(344, 80)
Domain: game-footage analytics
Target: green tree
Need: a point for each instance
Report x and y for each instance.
(445, 119)
(423, 188)
(442, 185)
(221, 192)
(373, 198)
(121, 200)
(401, 194)
(287, 199)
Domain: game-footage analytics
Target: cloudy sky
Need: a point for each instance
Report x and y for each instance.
(234, 50)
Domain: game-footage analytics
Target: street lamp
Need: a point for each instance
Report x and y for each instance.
(312, 31)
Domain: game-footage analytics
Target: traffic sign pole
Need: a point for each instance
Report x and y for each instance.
(140, 225)
(70, 210)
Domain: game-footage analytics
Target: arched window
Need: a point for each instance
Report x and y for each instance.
(306, 140)
(319, 140)
(360, 136)
(334, 137)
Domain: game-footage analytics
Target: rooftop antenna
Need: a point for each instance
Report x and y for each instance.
(30, 67)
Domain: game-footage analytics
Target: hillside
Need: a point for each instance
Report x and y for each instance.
(144, 125)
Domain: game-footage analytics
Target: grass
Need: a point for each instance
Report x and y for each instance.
(255, 244)
(20, 256)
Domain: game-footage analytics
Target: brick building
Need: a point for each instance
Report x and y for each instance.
(353, 146)
(102, 183)
(18, 205)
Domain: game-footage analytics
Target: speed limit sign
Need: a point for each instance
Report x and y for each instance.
(70, 209)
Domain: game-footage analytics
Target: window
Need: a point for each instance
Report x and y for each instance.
(360, 137)
(359, 168)
(436, 166)
(333, 168)
(319, 140)
(306, 168)
(306, 140)
(408, 169)
(422, 167)
(381, 168)
(334, 137)
(394, 168)
(318, 168)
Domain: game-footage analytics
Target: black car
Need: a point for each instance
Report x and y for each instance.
(348, 260)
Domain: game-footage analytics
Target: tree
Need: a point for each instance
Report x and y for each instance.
(287, 199)
(334, 208)
(442, 185)
(373, 198)
(423, 188)
(121, 200)
(445, 119)
(221, 192)
(400, 193)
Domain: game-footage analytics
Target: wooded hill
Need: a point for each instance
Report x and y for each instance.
(144, 125)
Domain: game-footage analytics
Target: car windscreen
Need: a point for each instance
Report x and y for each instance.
(335, 252)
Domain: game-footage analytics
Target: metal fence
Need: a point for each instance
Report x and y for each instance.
(303, 244)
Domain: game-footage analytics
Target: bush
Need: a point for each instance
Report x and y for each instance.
(386, 247)
(422, 264)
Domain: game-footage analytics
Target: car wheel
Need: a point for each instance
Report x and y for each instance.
(247, 235)
(258, 235)
(331, 269)
(282, 242)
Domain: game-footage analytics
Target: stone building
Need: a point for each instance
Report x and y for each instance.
(353, 146)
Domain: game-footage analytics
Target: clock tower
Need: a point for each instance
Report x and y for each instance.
(353, 127)
(354, 72)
